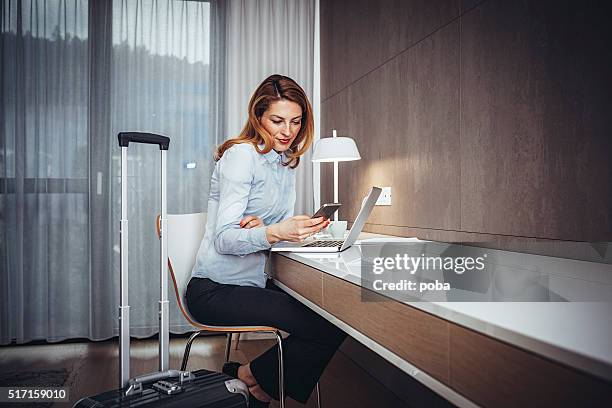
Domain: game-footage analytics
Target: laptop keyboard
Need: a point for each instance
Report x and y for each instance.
(319, 244)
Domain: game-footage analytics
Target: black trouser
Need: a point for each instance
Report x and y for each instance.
(311, 343)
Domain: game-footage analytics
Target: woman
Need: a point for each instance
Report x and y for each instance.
(252, 195)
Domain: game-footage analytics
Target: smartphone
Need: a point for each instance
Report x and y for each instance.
(327, 210)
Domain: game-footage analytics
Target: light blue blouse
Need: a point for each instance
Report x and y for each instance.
(243, 183)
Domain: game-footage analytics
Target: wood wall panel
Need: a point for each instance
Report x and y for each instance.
(359, 35)
(492, 124)
(404, 118)
(535, 127)
(468, 4)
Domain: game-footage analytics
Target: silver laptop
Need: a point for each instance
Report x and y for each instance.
(329, 245)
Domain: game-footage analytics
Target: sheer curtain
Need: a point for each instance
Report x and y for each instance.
(267, 37)
(44, 170)
(73, 74)
(160, 84)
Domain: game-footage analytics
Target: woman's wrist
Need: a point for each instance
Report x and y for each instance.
(272, 234)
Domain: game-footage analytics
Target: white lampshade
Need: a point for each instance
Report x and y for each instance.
(330, 149)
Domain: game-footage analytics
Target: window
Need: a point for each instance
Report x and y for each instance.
(74, 74)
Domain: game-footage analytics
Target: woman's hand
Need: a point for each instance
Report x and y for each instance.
(295, 229)
(251, 221)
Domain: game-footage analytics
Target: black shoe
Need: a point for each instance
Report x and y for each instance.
(231, 369)
(255, 403)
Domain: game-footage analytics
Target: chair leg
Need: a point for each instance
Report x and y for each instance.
(318, 395)
(281, 375)
(188, 349)
(228, 347)
(237, 341)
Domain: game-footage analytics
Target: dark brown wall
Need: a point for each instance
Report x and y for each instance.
(490, 120)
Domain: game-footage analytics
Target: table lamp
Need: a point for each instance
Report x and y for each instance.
(335, 149)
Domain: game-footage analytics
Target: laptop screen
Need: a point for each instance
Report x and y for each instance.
(362, 217)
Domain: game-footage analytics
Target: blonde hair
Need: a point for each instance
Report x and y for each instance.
(272, 89)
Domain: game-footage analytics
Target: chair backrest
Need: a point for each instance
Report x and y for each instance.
(185, 233)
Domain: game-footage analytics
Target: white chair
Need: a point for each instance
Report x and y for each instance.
(185, 233)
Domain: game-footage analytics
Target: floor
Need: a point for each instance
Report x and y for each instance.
(92, 368)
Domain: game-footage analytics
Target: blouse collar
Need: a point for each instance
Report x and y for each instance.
(272, 156)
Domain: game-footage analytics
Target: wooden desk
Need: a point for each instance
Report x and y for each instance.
(464, 366)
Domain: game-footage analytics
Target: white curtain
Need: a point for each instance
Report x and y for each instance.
(73, 74)
(160, 84)
(266, 37)
(44, 170)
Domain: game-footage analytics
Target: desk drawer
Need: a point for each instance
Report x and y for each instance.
(415, 336)
(301, 278)
(495, 374)
(486, 370)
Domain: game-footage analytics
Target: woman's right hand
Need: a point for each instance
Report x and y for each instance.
(295, 229)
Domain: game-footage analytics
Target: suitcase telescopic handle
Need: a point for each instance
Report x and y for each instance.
(137, 137)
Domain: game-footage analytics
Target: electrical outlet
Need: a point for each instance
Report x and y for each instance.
(385, 197)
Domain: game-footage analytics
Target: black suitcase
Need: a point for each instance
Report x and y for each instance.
(205, 389)
(165, 388)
